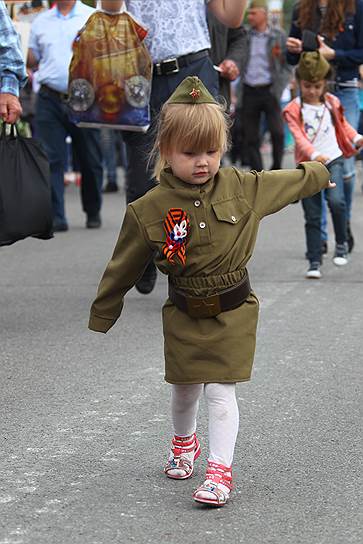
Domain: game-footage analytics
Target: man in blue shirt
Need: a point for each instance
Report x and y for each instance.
(50, 51)
(12, 68)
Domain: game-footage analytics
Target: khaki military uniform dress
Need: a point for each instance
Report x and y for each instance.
(224, 215)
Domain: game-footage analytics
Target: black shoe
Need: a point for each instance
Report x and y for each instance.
(350, 238)
(93, 221)
(324, 247)
(110, 187)
(147, 282)
(60, 226)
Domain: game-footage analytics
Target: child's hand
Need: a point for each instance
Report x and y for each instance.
(331, 185)
(359, 143)
(321, 158)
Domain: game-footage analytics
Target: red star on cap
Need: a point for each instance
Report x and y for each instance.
(195, 93)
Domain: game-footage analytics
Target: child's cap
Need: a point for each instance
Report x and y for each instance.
(191, 91)
(312, 66)
(258, 4)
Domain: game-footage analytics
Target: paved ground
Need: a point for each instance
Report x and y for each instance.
(85, 417)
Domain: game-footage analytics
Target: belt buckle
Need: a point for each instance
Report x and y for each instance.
(162, 69)
(203, 307)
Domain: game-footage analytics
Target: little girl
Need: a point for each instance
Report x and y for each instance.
(201, 221)
(321, 133)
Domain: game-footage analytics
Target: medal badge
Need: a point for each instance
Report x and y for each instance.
(176, 226)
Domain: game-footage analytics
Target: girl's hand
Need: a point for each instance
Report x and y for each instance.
(359, 143)
(294, 45)
(322, 158)
(331, 185)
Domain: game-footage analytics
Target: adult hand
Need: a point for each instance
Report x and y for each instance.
(294, 45)
(359, 143)
(331, 185)
(229, 69)
(10, 108)
(322, 158)
(327, 52)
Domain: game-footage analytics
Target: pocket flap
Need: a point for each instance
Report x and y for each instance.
(231, 210)
(156, 232)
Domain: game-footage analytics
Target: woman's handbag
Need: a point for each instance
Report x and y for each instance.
(110, 74)
(25, 193)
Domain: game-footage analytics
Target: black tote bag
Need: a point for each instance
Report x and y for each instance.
(25, 193)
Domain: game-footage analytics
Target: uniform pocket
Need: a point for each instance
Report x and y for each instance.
(231, 210)
(156, 232)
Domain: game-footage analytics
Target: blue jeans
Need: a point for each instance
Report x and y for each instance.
(337, 205)
(349, 97)
(53, 125)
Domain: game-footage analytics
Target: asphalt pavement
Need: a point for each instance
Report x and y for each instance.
(85, 420)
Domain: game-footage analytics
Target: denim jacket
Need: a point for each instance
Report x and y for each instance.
(348, 43)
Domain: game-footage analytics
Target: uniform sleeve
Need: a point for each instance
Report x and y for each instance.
(268, 192)
(129, 260)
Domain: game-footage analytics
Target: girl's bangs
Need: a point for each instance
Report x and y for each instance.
(195, 128)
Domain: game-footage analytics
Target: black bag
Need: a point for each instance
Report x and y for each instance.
(25, 194)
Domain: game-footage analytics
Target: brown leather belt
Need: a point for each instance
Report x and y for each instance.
(200, 307)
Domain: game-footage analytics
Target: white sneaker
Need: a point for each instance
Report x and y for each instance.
(341, 255)
(314, 272)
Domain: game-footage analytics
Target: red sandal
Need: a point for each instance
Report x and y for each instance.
(183, 453)
(217, 486)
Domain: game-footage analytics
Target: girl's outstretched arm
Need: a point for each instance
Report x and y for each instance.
(270, 191)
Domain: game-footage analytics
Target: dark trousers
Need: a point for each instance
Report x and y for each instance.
(53, 125)
(258, 100)
(139, 177)
(313, 208)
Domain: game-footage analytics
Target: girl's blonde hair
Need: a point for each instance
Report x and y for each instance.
(192, 127)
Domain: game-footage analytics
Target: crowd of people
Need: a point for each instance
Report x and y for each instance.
(184, 211)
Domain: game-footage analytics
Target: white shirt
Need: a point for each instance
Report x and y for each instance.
(51, 38)
(319, 128)
(175, 27)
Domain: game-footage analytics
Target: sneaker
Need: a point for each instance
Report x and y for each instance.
(341, 255)
(313, 272)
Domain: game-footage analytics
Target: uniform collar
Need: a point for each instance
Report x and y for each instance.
(169, 181)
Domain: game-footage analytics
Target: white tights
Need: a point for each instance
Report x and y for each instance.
(223, 416)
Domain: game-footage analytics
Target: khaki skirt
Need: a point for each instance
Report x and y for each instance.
(216, 349)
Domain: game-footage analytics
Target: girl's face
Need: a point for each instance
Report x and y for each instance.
(311, 93)
(192, 167)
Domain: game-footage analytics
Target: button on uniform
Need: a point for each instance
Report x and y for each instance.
(202, 225)
(233, 218)
(197, 203)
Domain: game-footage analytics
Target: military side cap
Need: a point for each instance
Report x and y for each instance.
(191, 91)
(259, 4)
(312, 66)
